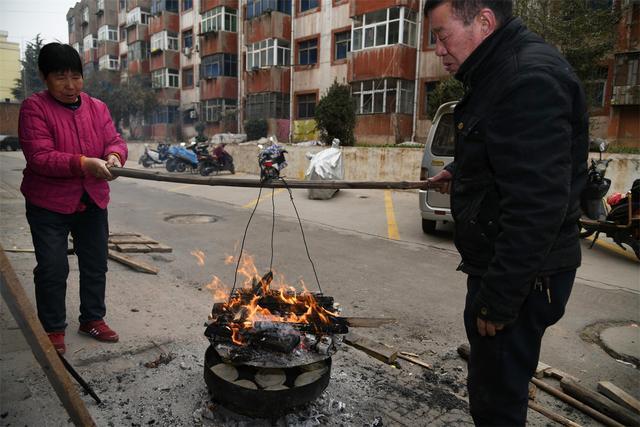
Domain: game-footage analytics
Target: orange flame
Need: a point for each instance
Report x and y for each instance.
(199, 255)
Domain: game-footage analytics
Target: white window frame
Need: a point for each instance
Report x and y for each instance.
(137, 16)
(164, 40)
(268, 53)
(108, 62)
(361, 27)
(108, 33)
(78, 47)
(90, 42)
(402, 89)
(85, 14)
(165, 78)
(215, 109)
(215, 20)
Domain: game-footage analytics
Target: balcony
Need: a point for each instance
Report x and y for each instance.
(223, 42)
(164, 21)
(357, 7)
(106, 47)
(274, 79)
(211, 4)
(268, 26)
(396, 60)
(164, 59)
(219, 87)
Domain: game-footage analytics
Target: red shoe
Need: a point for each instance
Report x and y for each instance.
(57, 339)
(99, 330)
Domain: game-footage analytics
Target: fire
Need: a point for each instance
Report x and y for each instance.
(264, 300)
(199, 255)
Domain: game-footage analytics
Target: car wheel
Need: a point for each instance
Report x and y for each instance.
(428, 226)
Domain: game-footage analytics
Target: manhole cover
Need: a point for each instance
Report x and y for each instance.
(191, 219)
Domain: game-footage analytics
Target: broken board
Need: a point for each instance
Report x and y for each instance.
(380, 351)
(130, 242)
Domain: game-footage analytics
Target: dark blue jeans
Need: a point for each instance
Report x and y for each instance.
(501, 367)
(50, 234)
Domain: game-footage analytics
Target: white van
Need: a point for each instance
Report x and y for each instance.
(438, 152)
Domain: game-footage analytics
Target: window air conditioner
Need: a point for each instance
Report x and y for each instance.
(187, 52)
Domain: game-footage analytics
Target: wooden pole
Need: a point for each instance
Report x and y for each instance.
(552, 415)
(600, 403)
(44, 352)
(245, 182)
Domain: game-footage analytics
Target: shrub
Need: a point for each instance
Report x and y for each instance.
(447, 90)
(336, 115)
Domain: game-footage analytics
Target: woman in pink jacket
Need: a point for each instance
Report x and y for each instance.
(69, 142)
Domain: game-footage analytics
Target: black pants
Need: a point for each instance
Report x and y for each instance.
(501, 367)
(50, 234)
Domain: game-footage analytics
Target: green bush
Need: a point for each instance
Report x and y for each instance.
(256, 129)
(446, 90)
(336, 115)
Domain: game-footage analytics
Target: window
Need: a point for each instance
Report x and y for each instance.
(108, 62)
(267, 105)
(85, 14)
(220, 19)
(90, 42)
(444, 139)
(258, 7)
(268, 53)
(137, 16)
(220, 64)
(72, 25)
(342, 46)
(100, 5)
(108, 33)
(187, 4)
(308, 4)
(138, 51)
(306, 106)
(384, 27)
(381, 96)
(165, 114)
(123, 33)
(429, 88)
(217, 109)
(158, 6)
(308, 52)
(123, 63)
(164, 40)
(78, 47)
(164, 78)
(187, 77)
(187, 39)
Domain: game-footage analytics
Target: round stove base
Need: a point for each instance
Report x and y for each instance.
(262, 403)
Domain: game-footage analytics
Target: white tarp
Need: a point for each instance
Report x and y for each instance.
(327, 165)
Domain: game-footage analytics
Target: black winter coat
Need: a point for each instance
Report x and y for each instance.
(520, 165)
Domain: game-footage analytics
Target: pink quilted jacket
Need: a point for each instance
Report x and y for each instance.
(53, 138)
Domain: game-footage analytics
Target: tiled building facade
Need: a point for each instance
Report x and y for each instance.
(223, 62)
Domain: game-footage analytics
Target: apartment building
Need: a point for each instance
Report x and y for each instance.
(223, 62)
(623, 90)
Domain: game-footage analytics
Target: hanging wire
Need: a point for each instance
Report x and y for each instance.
(302, 231)
(235, 275)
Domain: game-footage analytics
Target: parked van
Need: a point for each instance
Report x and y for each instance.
(438, 152)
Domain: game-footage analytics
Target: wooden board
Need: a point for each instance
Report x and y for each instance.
(415, 361)
(619, 396)
(600, 403)
(132, 248)
(130, 262)
(380, 351)
(131, 239)
(126, 233)
(159, 247)
(542, 367)
(44, 352)
(559, 375)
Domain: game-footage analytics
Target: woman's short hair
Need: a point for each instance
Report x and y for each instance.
(56, 57)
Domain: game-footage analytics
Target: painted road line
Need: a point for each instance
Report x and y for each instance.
(180, 187)
(615, 248)
(392, 226)
(252, 203)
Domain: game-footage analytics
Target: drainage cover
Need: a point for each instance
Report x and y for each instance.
(191, 219)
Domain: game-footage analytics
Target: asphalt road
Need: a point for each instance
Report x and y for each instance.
(369, 252)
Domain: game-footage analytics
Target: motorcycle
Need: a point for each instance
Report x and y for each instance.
(210, 163)
(152, 157)
(618, 217)
(271, 161)
(182, 157)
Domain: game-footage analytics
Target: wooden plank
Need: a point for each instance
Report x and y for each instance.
(368, 322)
(255, 183)
(415, 361)
(596, 415)
(600, 403)
(44, 352)
(552, 415)
(380, 351)
(130, 262)
(131, 239)
(619, 396)
(540, 369)
(132, 248)
(559, 375)
(126, 233)
(159, 247)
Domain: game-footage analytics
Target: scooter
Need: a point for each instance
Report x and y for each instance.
(271, 161)
(209, 163)
(181, 158)
(152, 157)
(618, 217)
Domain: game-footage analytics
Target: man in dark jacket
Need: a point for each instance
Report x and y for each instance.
(520, 165)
